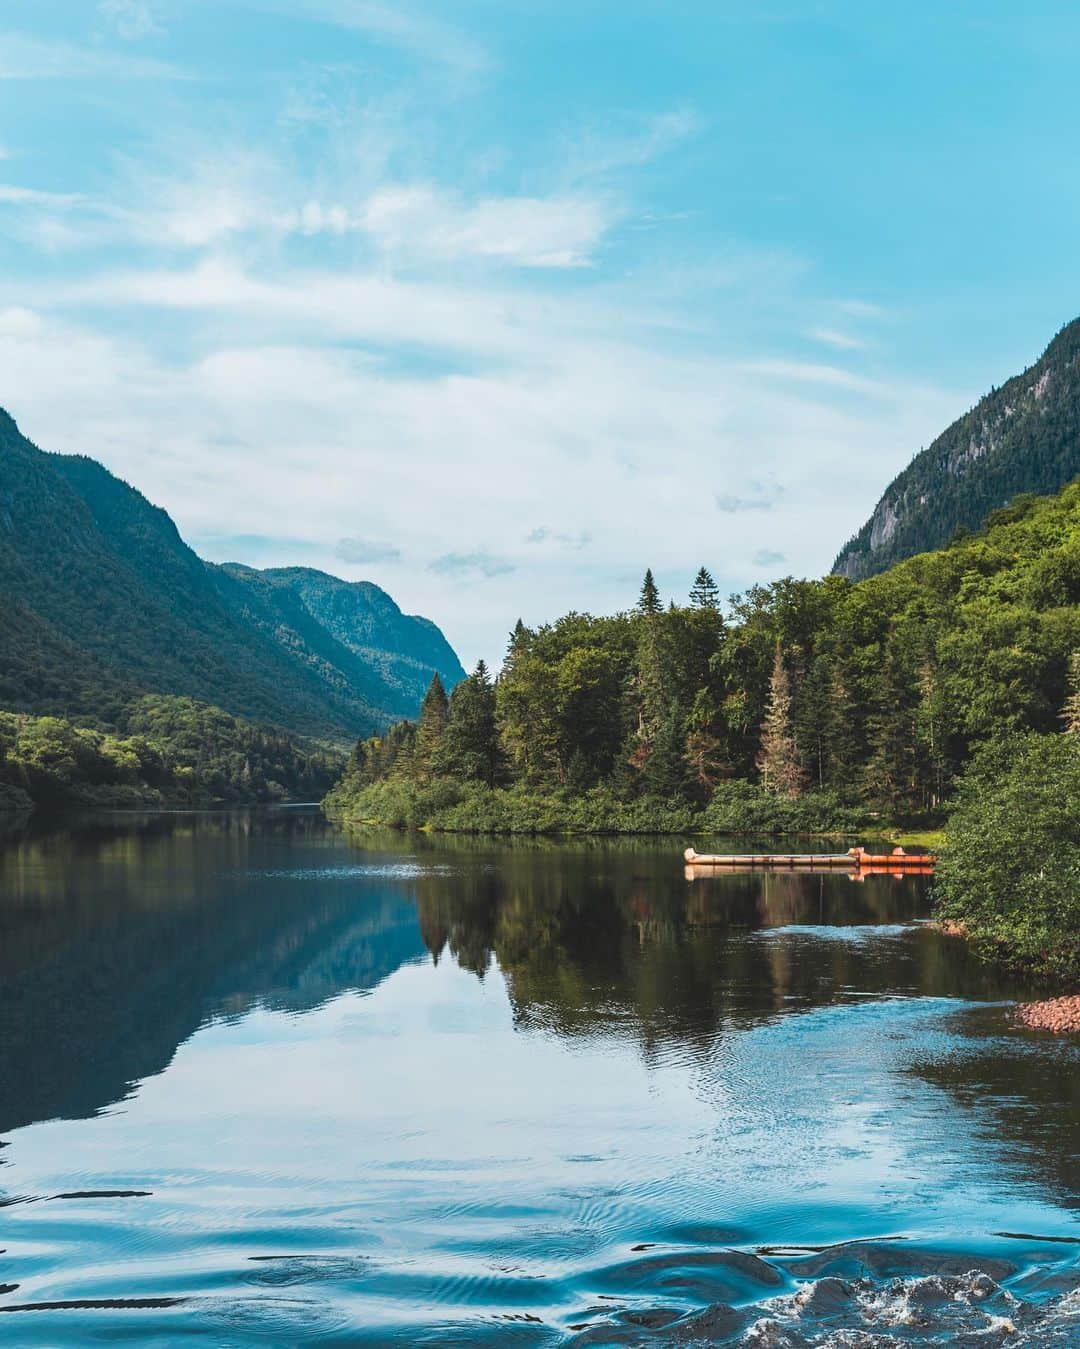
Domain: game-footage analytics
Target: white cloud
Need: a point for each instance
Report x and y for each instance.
(862, 309)
(559, 538)
(599, 430)
(12, 195)
(832, 337)
(420, 223)
(364, 552)
(476, 564)
(752, 495)
(596, 152)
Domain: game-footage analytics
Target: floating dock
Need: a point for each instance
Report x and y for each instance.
(855, 859)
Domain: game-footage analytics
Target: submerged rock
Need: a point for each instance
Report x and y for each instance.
(963, 1311)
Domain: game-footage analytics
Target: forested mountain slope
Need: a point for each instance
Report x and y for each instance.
(389, 655)
(101, 600)
(1023, 437)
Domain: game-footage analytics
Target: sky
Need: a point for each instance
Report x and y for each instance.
(497, 302)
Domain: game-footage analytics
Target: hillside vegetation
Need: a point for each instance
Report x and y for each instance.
(173, 751)
(1021, 438)
(102, 601)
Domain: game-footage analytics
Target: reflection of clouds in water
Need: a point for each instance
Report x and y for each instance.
(394, 871)
(855, 933)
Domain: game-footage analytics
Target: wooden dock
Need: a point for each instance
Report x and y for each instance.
(855, 859)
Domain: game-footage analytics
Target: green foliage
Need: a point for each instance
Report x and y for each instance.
(431, 729)
(472, 735)
(1010, 868)
(704, 593)
(861, 700)
(744, 808)
(649, 599)
(175, 751)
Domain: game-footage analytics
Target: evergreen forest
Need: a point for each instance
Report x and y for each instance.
(804, 704)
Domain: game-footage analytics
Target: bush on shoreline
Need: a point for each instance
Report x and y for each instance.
(1010, 869)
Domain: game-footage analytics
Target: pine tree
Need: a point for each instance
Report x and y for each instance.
(704, 593)
(358, 760)
(1071, 711)
(649, 599)
(516, 646)
(471, 744)
(890, 771)
(431, 728)
(778, 759)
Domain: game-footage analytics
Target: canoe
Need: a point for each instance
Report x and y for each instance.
(855, 859)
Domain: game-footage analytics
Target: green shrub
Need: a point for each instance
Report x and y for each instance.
(1010, 867)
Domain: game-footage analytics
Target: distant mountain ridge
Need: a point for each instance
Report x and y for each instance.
(101, 599)
(1022, 438)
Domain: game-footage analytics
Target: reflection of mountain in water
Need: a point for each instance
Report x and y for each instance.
(118, 939)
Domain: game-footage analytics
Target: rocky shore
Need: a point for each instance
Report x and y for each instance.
(1055, 1014)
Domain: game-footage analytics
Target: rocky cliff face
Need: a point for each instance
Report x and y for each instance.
(1021, 438)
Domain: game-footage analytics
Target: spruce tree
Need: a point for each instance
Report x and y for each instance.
(430, 729)
(649, 599)
(471, 745)
(890, 770)
(704, 593)
(778, 759)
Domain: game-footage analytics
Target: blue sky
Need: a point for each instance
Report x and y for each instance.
(496, 304)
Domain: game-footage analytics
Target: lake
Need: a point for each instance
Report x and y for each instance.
(264, 1079)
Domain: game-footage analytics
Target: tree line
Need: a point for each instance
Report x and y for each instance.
(874, 694)
(173, 750)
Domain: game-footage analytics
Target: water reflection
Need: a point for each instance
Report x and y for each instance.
(121, 935)
(423, 1090)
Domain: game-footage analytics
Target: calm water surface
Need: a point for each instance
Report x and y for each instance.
(266, 1080)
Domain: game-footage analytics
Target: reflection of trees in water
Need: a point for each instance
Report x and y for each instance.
(597, 941)
(119, 937)
(585, 934)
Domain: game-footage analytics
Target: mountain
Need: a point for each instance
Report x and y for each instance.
(393, 652)
(1022, 438)
(101, 601)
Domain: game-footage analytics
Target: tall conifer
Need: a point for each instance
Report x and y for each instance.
(778, 759)
(704, 593)
(649, 599)
(430, 729)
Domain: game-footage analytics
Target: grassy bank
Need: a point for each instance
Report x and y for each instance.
(454, 807)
